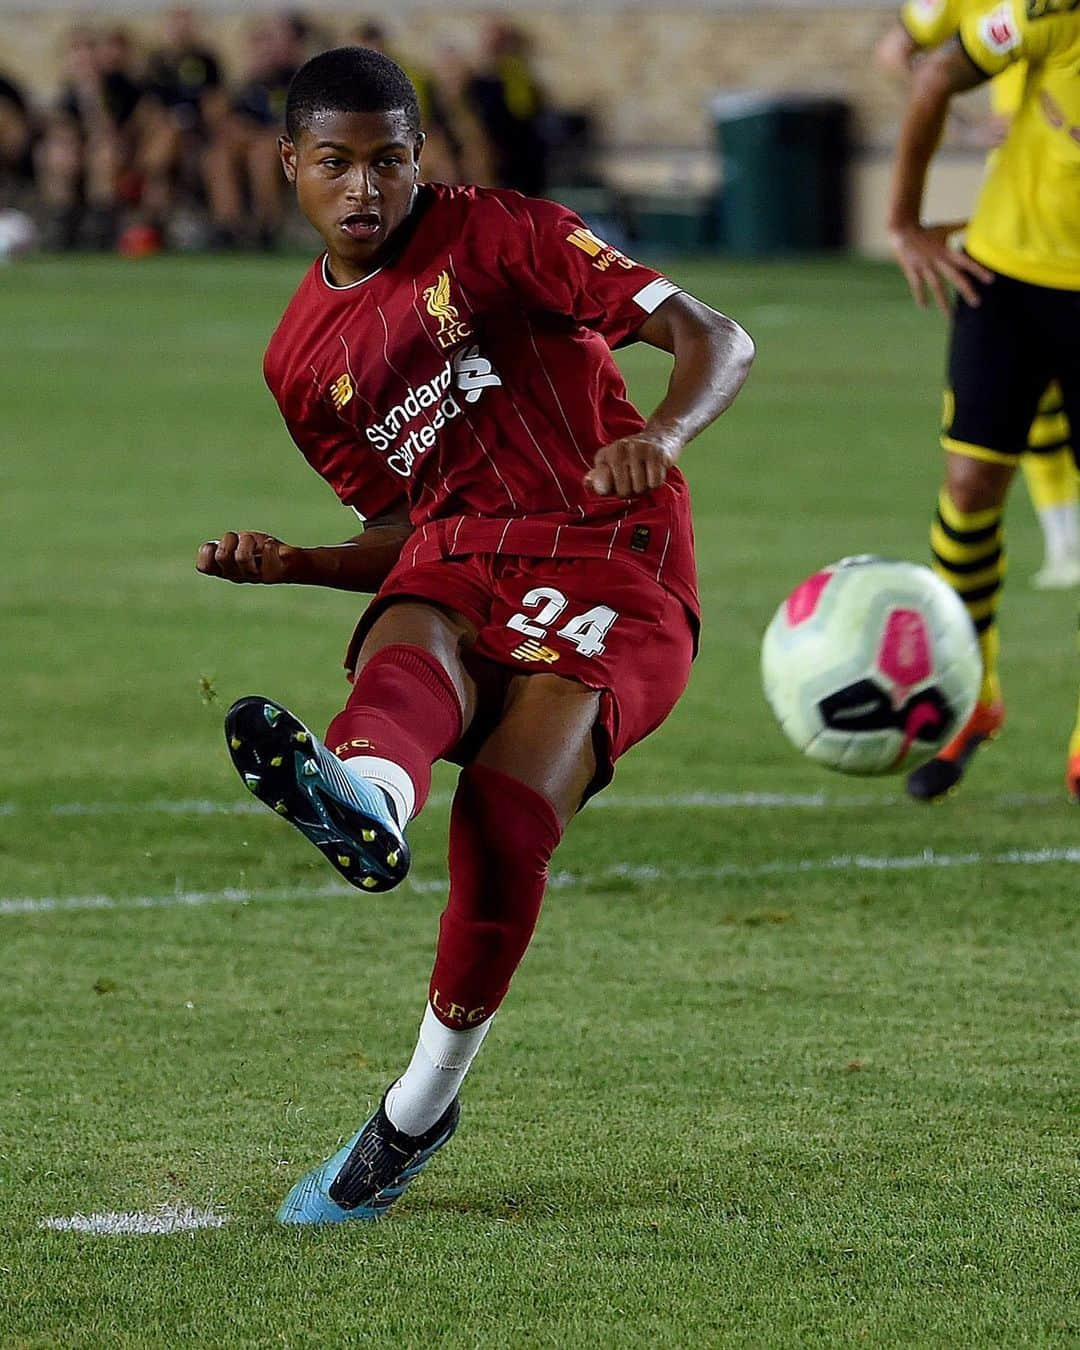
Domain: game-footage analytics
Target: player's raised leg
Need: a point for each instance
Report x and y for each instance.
(353, 796)
(510, 809)
(968, 545)
(1050, 474)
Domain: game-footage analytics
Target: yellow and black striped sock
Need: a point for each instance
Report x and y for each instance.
(969, 552)
(1048, 465)
(1051, 478)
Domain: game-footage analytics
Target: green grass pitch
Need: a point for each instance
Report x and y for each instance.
(801, 1083)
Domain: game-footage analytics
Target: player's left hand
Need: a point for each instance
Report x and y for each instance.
(631, 465)
(930, 265)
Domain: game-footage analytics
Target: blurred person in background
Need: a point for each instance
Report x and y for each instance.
(242, 167)
(16, 164)
(509, 103)
(184, 103)
(84, 160)
(1048, 465)
(475, 155)
(442, 150)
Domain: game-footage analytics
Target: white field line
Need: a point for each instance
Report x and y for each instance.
(704, 801)
(165, 1219)
(627, 872)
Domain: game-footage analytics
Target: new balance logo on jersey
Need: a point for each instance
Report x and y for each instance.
(430, 406)
(437, 299)
(341, 391)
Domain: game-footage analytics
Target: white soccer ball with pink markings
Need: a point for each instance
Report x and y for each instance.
(871, 666)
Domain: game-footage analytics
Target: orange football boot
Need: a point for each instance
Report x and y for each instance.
(938, 776)
(1072, 775)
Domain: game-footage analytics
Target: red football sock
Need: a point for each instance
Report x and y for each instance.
(403, 709)
(502, 835)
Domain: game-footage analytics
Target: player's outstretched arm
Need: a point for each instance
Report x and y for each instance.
(713, 356)
(895, 53)
(922, 251)
(359, 564)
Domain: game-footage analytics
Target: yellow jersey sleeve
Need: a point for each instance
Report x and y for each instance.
(1026, 223)
(1007, 89)
(929, 23)
(997, 37)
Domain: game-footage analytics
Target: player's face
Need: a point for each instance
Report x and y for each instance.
(355, 176)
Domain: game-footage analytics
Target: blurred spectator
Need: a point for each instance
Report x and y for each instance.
(243, 168)
(475, 157)
(133, 160)
(509, 103)
(184, 103)
(85, 157)
(442, 150)
(16, 167)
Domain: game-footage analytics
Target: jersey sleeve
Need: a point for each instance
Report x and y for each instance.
(356, 474)
(929, 23)
(996, 37)
(555, 263)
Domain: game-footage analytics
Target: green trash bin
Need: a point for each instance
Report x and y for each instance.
(668, 223)
(785, 173)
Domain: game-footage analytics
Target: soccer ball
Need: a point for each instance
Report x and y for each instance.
(871, 666)
(18, 234)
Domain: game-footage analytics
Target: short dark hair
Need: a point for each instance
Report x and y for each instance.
(349, 79)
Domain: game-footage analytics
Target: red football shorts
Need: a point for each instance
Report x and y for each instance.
(604, 623)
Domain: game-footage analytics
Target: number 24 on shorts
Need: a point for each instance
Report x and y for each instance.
(587, 631)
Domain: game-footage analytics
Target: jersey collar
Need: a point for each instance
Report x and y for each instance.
(324, 272)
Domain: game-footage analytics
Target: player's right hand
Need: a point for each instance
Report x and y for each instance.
(249, 555)
(929, 264)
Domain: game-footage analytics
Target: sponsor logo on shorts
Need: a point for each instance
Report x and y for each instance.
(531, 650)
(341, 391)
(437, 300)
(999, 30)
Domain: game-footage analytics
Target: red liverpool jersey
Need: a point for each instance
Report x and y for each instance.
(472, 376)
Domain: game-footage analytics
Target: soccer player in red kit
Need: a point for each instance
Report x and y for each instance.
(446, 366)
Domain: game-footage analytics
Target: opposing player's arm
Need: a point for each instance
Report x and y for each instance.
(895, 52)
(713, 356)
(359, 564)
(925, 258)
(902, 46)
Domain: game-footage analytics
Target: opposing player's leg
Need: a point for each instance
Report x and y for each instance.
(1067, 336)
(1050, 474)
(967, 541)
(997, 372)
(511, 806)
(353, 796)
